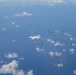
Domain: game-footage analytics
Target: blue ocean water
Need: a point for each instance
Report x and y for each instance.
(43, 20)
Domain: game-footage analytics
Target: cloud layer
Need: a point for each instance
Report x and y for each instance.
(47, 2)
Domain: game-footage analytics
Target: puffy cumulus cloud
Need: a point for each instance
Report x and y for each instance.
(52, 54)
(72, 50)
(59, 65)
(30, 72)
(11, 68)
(35, 37)
(11, 55)
(23, 14)
(39, 49)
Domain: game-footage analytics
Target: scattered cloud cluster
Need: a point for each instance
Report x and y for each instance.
(58, 45)
(11, 55)
(12, 68)
(55, 43)
(52, 54)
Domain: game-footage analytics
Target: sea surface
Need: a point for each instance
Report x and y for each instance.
(56, 23)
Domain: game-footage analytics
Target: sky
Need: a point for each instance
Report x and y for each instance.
(48, 2)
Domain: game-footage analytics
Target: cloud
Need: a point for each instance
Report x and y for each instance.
(52, 54)
(11, 68)
(35, 2)
(51, 41)
(55, 43)
(72, 50)
(39, 49)
(74, 71)
(58, 44)
(67, 34)
(35, 37)
(23, 14)
(30, 72)
(11, 55)
(59, 65)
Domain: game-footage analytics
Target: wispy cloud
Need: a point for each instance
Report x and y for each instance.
(23, 14)
(48, 2)
(35, 37)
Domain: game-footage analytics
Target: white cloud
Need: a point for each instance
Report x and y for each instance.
(58, 44)
(58, 53)
(59, 65)
(51, 41)
(52, 54)
(11, 55)
(39, 49)
(35, 37)
(30, 72)
(13, 23)
(22, 58)
(11, 68)
(67, 34)
(74, 44)
(23, 14)
(34, 2)
(74, 71)
(13, 40)
(72, 50)
(55, 43)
